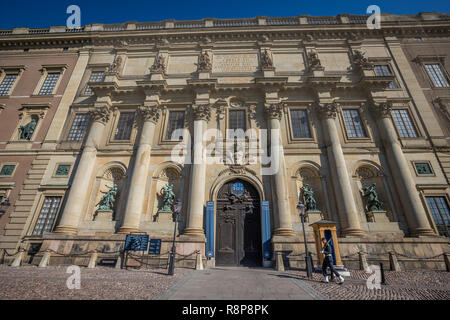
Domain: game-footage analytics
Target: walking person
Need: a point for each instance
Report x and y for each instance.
(328, 262)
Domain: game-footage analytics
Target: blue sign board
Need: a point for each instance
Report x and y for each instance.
(136, 242)
(265, 232)
(155, 246)
(237, 189)
(210, 229)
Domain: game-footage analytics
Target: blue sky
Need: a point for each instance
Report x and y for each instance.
(36, 14)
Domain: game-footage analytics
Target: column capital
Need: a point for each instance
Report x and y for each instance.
(381, 110)
(327, 110)
(274, 110)
(100, 114)
(202, 112)
(150, 113)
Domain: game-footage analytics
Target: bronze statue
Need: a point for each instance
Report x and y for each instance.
(308, 194)
(106, 203)
(373, 203)
(169, 196)
(27, 130)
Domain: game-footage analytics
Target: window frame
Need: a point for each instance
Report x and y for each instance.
(9, 70)
(37, 211)
(15, 164)
(391, 71)
(363, 125)
(432, 174)
(165, 122)
(290, 124)
(430, 213)
(54, 175)
(47, 69)
(166, 127)
(359, 106)
(71, 122)
(443, 71)
(413, 122)
(88, 79)
(115, 122)
(227, 120)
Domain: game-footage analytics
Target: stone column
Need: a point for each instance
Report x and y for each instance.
(78, 191)
(194, 227)
(338, 170)
(136, 195)
(409, 197)
(274, 113)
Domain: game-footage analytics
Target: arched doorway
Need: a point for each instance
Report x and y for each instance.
(238, 229)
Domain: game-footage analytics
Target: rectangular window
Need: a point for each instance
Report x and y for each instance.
(236, 120)
(437, 75)
(7, 84)
(383, 71)
(7, 170)
(176, 121)
(353, 123)
(49, 84)
(404, 124)
(300, 125)
(78, 128)
(440, 213)
(47, 215)
(96, 76)
(124, 126)
(423, 168)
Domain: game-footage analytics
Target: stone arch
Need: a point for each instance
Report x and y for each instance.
(365, 174)
(166, 173)
(310, 173)
(112, 173)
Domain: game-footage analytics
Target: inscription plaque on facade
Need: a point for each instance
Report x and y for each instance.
(247, 62)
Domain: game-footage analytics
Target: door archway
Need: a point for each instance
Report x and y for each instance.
(238, 228)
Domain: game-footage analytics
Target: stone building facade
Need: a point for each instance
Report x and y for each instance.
(325, 103)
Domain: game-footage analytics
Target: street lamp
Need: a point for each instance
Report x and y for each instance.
(301, 212)
(177, 210)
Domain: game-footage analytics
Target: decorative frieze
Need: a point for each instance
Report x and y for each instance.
(202, 112)
(327, 110)
(150, 113)
(100, 114)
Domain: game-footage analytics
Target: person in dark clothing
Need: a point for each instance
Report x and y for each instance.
(328, 262)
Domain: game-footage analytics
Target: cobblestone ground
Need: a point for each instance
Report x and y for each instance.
(403, 285)
(102, 283)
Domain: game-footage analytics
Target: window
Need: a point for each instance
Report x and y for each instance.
(124, 126)
(96, 76)
(49, 84)
(7, 84)
(440, 213)
(47, 215)
(300, 125)
(423, 168)
(7, 170)
(78, 128)
(353, 123)
(236, 120)
(437, 75)
(62, 170)
(176, 121)
(383, 71)
(403, 123)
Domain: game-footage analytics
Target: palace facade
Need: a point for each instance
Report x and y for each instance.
(105, 128)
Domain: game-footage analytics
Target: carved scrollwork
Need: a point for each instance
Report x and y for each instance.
(381, 110)
(327, 110)
(150, 113)
(274, 110)
(100, 114)
(202, 112)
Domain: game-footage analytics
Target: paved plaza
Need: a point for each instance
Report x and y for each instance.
(220, 283)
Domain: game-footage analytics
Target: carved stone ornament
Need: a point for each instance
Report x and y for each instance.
(314, 61)
(159, 66)
(274, 110)
(204, 62)
(266, 61)
(202, 112)
(115, 66)
(444, 104)
(327, 110)
(308, 37)
(361, 62)
(381, 110)
(150, 113)
(100, 114)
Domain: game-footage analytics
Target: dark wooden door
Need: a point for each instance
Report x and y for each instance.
(238, 229)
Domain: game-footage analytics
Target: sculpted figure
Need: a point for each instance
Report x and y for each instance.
(308, 194)
(266, 61)
(314, 60)
(373, 203)
(159, 65)
(106, 203)
(204, 62)
(168, 198)
(27, 130)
